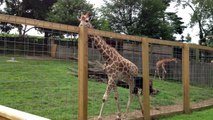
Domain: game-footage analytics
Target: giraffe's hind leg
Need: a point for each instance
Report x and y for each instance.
(158, 73)
(111, 84)
(131, 88)
(140, 100)
(164, 71)
(116, 96)
(155, 74)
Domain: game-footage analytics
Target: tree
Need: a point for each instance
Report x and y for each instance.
(142, 17)
(152, 22)
(202, 16)
(1, 1)
(5, 27)
(36, 9)
(67, 11)
(101, 23)
(122, 14)
(175, 22)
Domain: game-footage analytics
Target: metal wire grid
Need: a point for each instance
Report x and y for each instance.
(36, 74)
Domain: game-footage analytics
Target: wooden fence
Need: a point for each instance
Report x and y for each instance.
(7, 113)
(83, 59)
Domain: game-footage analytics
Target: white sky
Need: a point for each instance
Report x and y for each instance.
(184, 13)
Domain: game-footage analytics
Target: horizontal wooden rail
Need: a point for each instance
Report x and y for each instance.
(13, 114)
(113, 35)
(139, 39)
(131, 37)
(200, 47)
(38, 23)
(165, 42)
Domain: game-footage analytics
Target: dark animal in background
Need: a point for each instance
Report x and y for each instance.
(139, 86)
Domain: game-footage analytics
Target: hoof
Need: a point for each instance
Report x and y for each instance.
(99, 118)
(118, 118)
(125, 116)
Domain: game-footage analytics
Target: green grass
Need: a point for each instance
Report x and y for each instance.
(171, 92)
(197, 115)
(46, 88)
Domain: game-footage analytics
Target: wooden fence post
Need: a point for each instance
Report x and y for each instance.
(145, 68)
(186, 78)
(82, 73)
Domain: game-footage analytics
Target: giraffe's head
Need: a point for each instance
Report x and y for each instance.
(174, 59)
(85, 20)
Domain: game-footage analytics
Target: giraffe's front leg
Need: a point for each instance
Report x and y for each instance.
(116, 96)
(164, 72)
(155, 73)
(140, 100)
(129, 100)
(106, 94)
(158, 72)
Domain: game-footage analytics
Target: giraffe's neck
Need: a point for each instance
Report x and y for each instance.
(106, 50)
(168, 60)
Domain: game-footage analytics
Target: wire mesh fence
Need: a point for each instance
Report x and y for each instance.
(201, 77)
(166, 73)
(36, 74)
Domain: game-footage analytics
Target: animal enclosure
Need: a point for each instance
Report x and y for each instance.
(61, 76)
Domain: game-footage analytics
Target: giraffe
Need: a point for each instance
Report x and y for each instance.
(116, 68)
(161, 65)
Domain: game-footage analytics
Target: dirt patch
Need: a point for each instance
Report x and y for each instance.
(161, 111)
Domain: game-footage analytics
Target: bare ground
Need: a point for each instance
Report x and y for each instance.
(161, 111)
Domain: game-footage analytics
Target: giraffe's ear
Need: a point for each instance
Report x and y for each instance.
(78, 18)
(90, 18)
(88, 14)
(82, 13)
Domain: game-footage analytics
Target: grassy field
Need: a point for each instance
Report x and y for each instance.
(46, 88)
(197, 115)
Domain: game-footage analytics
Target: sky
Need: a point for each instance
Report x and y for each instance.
(183, 13)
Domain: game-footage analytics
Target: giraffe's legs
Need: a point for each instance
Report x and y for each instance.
(130, 98)
(106, 94)
(155, 73)
(116, 96)
(163, 72)
(158, 72)
(163, 75)
(140, 100)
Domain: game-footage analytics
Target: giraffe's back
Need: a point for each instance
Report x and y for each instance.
(122, 68)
